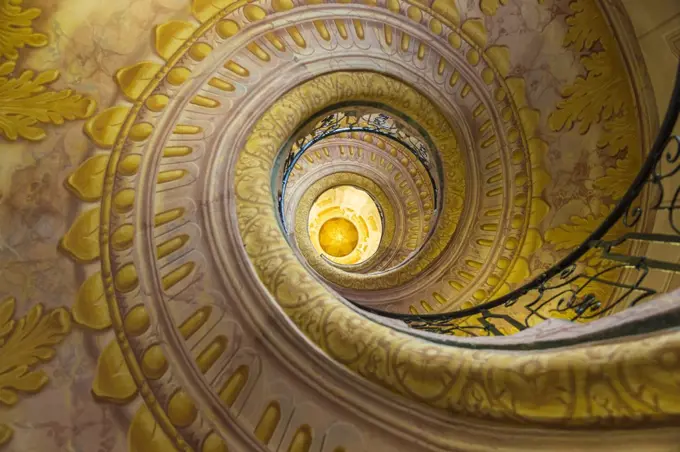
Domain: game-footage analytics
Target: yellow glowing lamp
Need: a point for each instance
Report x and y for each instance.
(338, 237)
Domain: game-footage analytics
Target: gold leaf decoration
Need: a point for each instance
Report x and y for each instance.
(15, 29)
(529, 118)
(568, 236)
(601, 96)
(113, 382)
(518, 91)
(500, 57)
(476, 31)
(617, 180)
(541, 179)
(6, 313)
(103, 128)
(25, 343)
(88, 180)
(586, 102)
(532, 242)
(25, 101)
(145, 435)
(133, 79)
(82, 240)
(91, 309)
(448, 9)
(5, 434)
(489, 7)
(617, 135)
(539, 209)
(205, 9)
(603, 92)
(584, 26)
(170, 37)
(520, 271)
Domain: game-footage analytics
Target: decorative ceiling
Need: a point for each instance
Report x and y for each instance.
(183, 222)
(346, 224)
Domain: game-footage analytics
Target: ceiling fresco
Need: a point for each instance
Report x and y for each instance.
(345, 222)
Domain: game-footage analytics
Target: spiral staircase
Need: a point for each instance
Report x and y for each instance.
(339, 226)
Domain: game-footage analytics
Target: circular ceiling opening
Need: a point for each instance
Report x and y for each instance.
(338, 237)
(345, 225)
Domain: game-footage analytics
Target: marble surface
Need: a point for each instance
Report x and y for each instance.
(88, 41)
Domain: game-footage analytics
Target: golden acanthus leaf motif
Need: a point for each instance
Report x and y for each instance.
(571, 235)
(611, 106)
(585, 26)
(25, 101)
(605, 70)
(25, 343)
(586, 101)
(618, 135)
(15, 29)
(617, 180)
(601, 96)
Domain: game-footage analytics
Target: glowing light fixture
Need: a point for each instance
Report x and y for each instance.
(345, 225)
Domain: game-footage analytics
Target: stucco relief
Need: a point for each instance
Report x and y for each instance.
(186, 348)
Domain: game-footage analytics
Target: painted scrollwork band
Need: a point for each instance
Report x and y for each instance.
(485, 384)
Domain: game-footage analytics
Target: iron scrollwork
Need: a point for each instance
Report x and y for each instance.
(619, 277)
(357, 120)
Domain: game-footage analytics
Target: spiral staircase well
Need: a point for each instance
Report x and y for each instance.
(336, 226)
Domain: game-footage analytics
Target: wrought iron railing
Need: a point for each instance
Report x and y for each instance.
(572, 290)
(350, 119)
